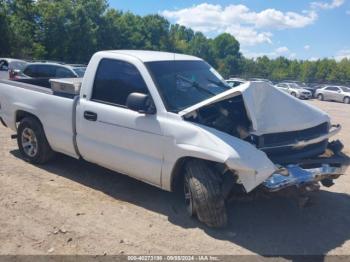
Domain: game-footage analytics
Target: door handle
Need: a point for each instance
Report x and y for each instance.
(91, 116)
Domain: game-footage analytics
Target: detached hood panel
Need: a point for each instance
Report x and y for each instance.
(269, 109)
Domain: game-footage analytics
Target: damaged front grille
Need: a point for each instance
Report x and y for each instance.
(285, 138)
(273, 144)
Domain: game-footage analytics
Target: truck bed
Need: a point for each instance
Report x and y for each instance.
(27, 86)
(56, 112)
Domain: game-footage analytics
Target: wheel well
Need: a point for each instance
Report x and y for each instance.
(20, 115)
(178, 171)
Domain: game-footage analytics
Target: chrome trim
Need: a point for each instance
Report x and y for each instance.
(303, 143)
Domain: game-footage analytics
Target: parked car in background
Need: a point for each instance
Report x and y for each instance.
(312, 87)
(10, 67)
(295, 90)
(233, 82)
(334, 93)
(39, 73)
(261, 80)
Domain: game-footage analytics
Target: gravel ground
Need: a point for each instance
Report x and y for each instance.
(73, 207)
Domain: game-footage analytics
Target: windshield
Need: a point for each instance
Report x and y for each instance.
(80, 71)
(345, 89)
(185, 83)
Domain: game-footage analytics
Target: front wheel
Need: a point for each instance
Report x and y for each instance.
(347, 100)
(203, 195)
(32, 142)
(294, 94)
(320, 97)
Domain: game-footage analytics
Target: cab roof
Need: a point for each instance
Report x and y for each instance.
(153, 56)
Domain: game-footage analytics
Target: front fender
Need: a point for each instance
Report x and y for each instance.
(250, 164)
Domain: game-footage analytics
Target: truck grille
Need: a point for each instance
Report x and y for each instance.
(278, 139)
(285, 154)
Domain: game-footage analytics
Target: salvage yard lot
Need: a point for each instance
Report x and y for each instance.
(73, 207)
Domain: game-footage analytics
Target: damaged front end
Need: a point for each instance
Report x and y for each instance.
(293, 135)
(307, 172)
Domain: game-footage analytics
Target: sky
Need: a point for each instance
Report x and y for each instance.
(297, 29)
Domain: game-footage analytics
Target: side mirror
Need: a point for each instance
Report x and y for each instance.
(141, 103)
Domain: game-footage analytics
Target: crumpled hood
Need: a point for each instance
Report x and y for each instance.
(269, 109)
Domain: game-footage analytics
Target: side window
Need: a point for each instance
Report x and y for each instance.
(63, 72)
(3, 65)
(230, 83)
(46, 71)
(332, 88)
(30, 71)
(115, 80)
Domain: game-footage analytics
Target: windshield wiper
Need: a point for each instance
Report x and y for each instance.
(219, 84)
(195, 84)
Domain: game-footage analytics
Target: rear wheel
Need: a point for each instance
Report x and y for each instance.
(320, 97)
(203, 195)
(32, 141)
(347, 100)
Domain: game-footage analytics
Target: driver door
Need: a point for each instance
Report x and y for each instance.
(113, 136)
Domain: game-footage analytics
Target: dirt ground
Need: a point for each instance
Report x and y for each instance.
(73, 207)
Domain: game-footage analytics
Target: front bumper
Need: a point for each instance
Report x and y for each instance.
(297, 176)
(305, 96)
(332, 164)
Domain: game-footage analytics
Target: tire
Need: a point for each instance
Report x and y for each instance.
(346, 100)
(294, 94)
(204, 196)
(320, 97)
(32, 142)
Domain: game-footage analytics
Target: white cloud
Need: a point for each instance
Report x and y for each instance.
(345, 53)
(307, 47)
(280, 51)
(248, 26)
(327, 5)
(249, 36)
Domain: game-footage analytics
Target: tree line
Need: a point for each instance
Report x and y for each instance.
(72, 30)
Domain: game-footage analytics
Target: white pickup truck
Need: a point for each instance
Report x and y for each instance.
(171, 120)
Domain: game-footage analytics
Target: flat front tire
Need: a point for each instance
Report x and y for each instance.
(203, 195)
(32, 142)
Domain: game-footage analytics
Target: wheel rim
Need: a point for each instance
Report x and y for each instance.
(320, 97)
(29, 142)
(188, 199)
(294, 94)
